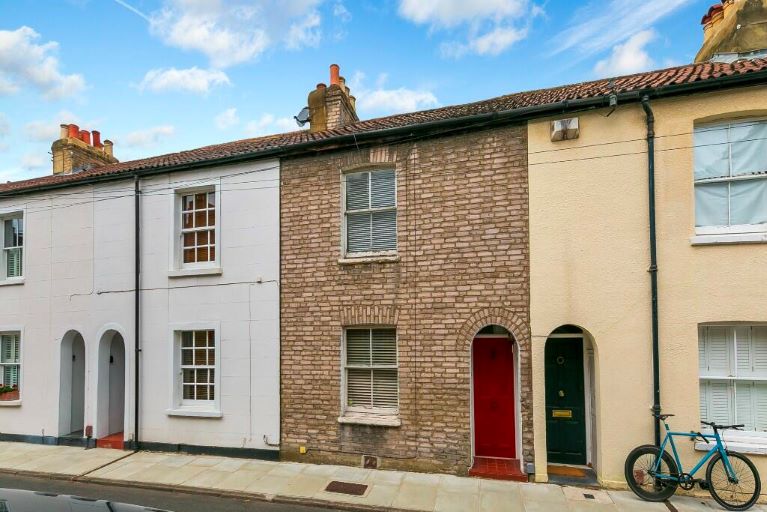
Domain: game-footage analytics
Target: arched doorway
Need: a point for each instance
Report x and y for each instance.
(494, 403)
(570, 404)
(111, 388)
(72, 386)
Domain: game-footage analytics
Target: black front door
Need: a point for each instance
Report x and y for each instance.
(565, 401)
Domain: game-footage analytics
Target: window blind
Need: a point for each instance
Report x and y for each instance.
(10, 355)
(371, 369)
(371, 214)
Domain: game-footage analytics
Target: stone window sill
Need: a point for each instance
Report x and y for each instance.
(754, 446)
(194, 412)
(190, 272)
(12, 281)
(10, 403)
(377, 420)
(368, 259)
(729, 238)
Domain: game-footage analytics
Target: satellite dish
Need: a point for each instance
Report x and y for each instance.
(303, 117)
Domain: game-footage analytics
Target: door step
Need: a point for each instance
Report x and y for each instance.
(113, 441)
(497, 469)
(572, 475)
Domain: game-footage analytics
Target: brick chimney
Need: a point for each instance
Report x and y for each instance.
(77, 150)
(331, 106)
(734, 29)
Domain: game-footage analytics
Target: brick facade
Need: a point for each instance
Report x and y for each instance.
(463, 264)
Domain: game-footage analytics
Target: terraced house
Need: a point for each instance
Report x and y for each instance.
(462, 290)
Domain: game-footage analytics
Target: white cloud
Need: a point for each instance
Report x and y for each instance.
(199, 81)
(227, 119)
(341, 12)
(492, 26)
(148, 137)
(25, 63)
(30, 161)
(48, 130)
(268, 124)
(382, 101)
(601, 25)
(234, 31)
(629, 57)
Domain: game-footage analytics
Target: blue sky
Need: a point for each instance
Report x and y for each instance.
(157, 76)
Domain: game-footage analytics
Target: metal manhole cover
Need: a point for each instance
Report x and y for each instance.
(346, 488)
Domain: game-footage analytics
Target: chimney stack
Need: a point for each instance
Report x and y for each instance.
(74, 151)
(733, 30)
(333, 106)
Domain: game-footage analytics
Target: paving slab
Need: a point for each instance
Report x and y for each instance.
(57, 460)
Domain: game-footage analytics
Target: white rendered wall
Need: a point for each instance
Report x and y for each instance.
(78, 276)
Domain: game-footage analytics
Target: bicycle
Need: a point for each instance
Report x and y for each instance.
(731, 478)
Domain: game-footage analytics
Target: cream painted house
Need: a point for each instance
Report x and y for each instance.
(589, 271)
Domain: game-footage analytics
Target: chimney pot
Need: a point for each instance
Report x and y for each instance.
(335, 71)
(97, 139)
(74, 131)
(85, 136)
(108, 149)
(64, 131)
(321, 86)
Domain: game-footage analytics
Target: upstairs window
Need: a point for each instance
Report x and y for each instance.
(731, 177)
(733, 375)
(12, 246)
(198, 227)
(370, 213)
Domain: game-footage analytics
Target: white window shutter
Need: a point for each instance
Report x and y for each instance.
(357, 191)
(382, 189)
(759, 351)
(718, 352)
(384, 231)
(760, 406)
(719, 404)
(744, 412)
(384, 343)
(385, 389)
(358, 232)
(13, 262)
(743, 351)
(358, 347)
(704, 399)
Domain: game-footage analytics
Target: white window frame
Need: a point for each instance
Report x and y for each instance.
(744, 441)
(9, 214)
(736, 232)
(193, 408)
(177, 266)
(366, 415)
(16, 329)
(344, 214)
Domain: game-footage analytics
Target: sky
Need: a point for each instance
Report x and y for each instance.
(159, 76)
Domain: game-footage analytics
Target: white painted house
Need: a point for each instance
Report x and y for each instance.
(209, 303)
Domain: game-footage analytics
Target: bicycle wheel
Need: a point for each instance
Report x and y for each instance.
(731, 495)
(639, 470)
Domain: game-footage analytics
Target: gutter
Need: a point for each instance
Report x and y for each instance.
(137, 312)
(474, 121)
(653, 270)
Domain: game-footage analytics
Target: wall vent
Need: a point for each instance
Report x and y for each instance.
(565, 129)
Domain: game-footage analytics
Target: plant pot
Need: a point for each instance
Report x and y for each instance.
(9, 395)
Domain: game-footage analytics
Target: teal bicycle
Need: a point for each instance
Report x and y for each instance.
(731, 478)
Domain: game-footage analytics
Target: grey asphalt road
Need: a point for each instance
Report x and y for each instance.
(168, 500)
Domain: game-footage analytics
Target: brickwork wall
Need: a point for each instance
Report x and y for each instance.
(463, 264)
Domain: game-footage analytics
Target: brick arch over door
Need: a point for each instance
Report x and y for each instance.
(519, 329)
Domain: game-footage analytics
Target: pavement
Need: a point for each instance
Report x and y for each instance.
(304, 484)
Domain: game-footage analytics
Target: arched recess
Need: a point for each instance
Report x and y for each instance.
(111, 389)
(72, 385)
(517, 326)
(571, 399)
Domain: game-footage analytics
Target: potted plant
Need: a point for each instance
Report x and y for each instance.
(8, 393)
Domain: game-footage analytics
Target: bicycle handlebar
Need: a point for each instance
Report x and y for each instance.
(723, 427)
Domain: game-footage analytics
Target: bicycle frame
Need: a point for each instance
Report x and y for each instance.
(717, 448)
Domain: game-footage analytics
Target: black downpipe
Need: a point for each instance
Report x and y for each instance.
(137, 312)
(653, 263)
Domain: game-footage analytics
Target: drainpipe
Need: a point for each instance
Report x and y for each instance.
(137, 310)
(653, 262)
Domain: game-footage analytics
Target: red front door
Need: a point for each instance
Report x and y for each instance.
(494, 418)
